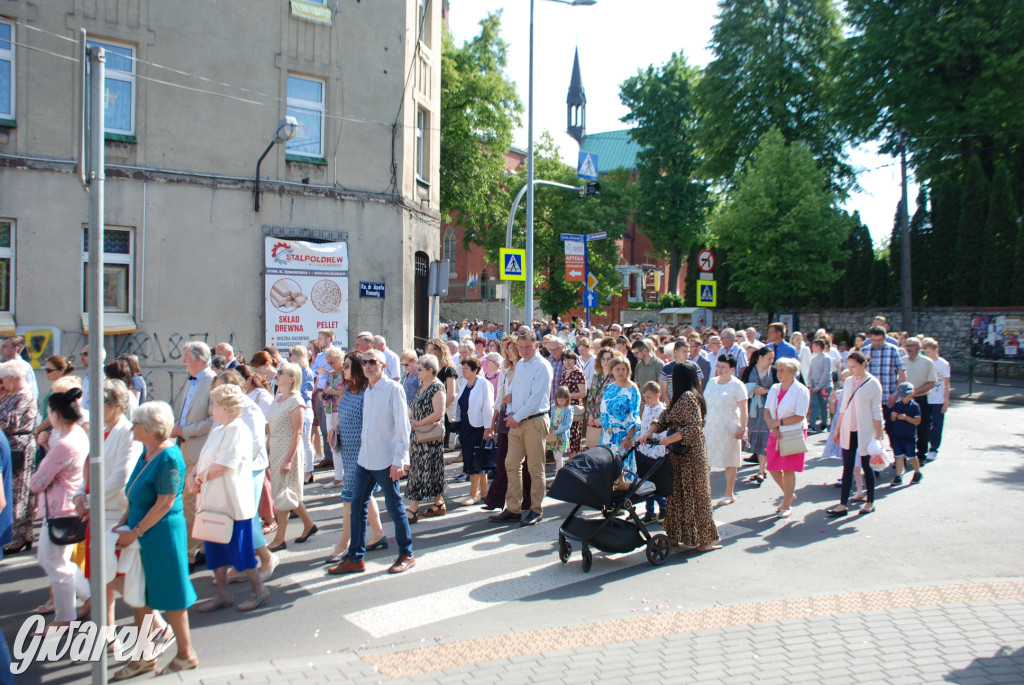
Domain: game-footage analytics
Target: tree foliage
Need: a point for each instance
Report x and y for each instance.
(999, 242)
(947, 73)
(773, 67)
(672, 201)
(557, 211)
(479, 111)
(782, 228)
(969, 258)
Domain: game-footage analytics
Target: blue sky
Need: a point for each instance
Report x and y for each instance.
(617, 38)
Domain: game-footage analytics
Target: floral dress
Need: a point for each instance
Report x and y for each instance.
(350, 432)
(689, 520)
(426, 460)
(17, 419)
(620, 412)
(576, 382)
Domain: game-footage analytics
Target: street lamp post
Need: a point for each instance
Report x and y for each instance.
(529, 166)
(286, 130)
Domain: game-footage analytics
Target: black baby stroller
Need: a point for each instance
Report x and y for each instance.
(589, 480)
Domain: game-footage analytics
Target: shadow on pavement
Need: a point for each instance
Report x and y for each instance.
(982, 669)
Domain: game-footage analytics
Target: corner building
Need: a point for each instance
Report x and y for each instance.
(194, 94)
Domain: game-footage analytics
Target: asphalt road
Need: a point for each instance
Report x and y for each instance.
(476, 579)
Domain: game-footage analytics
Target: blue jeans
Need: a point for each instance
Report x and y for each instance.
(363, 490)
(819, 407)
(935, 427)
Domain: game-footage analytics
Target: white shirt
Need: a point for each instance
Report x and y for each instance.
(319, 363)
(531, 387)
(231, 492)
(394, 364)
(256, 421)
(588, 369)
(120, 454)
(937, 395)
(385, 434)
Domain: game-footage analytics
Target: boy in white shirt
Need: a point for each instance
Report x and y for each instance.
(650, 410)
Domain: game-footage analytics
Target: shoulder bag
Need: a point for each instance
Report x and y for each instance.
(792, 442)
(429, 433)
(579, 413)
(213, 526)
(64, 530)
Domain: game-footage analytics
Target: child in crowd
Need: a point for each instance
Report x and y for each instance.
(650, 410)
(906, 416)
(561, 422)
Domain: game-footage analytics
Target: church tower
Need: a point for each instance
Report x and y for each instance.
(576, 104)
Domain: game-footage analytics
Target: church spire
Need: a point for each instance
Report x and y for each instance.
(576, 103)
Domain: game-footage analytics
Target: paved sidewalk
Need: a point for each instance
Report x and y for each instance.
(968, 633)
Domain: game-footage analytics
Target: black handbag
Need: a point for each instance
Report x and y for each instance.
(486, 455)
(17, 460)
(64, 530)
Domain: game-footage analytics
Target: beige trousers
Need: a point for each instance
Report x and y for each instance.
(527, 439)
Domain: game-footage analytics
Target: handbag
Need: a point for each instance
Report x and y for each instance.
(579, 413)
(486, 456)
(64, 530)
(213, 526)
(791, 442)
(429, 433)
(17, 460)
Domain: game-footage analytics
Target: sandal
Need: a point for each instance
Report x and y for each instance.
(213, 604)
(413, 516)
(725, 501)
(254, 601)
(710, 547)
(859, 498)
(45, 608)
(435, 511)
(134, 668)
(178, 664)
(163, 639)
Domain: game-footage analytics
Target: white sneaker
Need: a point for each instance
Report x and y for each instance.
(334, 484)
(931, 454)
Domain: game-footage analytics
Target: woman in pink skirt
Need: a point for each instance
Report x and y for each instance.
(785, 410)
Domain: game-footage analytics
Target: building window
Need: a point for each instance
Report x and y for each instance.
(421, 145)
(6, 70)
(119, 89)
(6, 266)
(118, 283)
(421, 21)
(306, 104)
(448, 250)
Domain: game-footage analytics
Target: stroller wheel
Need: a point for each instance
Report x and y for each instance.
(564, 549)
(588, 559)
(658, 549)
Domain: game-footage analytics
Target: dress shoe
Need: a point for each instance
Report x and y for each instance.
(348, 566)
(325, 464)
(504, 517)
(403, 563)
(308, 534)
(530, 518)
(380, 544)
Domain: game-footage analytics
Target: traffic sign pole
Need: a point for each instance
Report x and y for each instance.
(586, 276)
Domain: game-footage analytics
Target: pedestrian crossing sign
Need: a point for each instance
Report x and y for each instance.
(512, 264)
(707, 293)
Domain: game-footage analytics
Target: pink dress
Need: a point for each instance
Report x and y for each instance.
(775, 461)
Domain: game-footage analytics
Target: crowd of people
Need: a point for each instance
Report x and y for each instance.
(209, 481)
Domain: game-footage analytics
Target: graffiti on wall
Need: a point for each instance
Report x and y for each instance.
(159, 354)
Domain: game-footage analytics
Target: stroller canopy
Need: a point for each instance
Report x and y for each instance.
(588, 478)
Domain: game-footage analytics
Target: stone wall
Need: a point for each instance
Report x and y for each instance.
(487, 310)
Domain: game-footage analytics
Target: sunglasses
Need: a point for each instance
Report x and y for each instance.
(370, 362)
(49, 370)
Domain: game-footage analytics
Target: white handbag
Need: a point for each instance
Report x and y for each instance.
(213, 526)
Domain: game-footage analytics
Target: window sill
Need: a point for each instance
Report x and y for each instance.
(113, 324)
(7, 324)
(318, 161)
(8, 123)
(422, 183)
(120, 138)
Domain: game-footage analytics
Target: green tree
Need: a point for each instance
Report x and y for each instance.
(947, 199)
(773, 67)
(999, 242)
(848, 290)
(558, 211)
(948, 73)
(921, 244)
(672, 201)
(479, 111)
(782, 228)
(968, 260)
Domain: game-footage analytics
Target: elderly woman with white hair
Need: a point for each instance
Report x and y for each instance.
(785, 412)
(222, 481)
(156, 519)
(286, 456)
(17, 420)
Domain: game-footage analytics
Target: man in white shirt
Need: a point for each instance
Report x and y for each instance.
(729, 346)
(383, 460)
(393, 362)
(528, 423)
(938, 397)
(751, 334)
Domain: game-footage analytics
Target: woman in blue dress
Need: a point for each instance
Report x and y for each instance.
(620, 414)
(156, 518)
(347, 428)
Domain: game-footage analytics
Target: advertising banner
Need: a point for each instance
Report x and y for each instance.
(996, 337)
(306, 289)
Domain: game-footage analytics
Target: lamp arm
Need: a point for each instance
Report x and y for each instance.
(256, 188)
